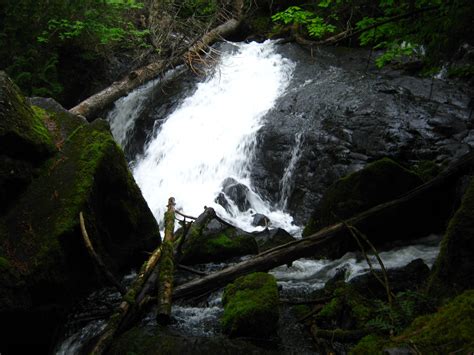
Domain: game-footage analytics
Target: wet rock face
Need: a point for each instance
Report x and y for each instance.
(348, 117)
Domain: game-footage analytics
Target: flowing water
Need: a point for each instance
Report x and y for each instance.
(211, 136)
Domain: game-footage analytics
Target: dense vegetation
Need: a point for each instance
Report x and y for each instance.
(430, 30)
(70, 49)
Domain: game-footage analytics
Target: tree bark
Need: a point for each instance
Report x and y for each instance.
(395, 217)
(91, 106)
(165, 278)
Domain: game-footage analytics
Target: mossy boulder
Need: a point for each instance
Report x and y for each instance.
(380, 181)
(79, 168)
(251, 306)
(453, 270)
(24, 143)
(215, 241)
(447, 331)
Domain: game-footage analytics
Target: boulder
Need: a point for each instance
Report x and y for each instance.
(212, 240)
(24, 143)
(380, 181)
(146, 340)
(452, 271)
(70, 166)
(445, 332)
(271, 238)
(412, 276)
(236, 192)
(251, 306)
(260, 220)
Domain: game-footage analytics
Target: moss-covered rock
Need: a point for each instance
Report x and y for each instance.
(380, 181)
(24, 143)
(251, 306)
(40, 239)
(213, 241)
(447, 331)
(453, 270)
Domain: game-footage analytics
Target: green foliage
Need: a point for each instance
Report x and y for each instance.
(34, 35)
(315, 25)
(428, 30)
(407, 306)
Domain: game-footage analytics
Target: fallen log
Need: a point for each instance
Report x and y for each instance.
(91, 106)
(128, 309)
(407, 216)
(166, 274)
(97, 259)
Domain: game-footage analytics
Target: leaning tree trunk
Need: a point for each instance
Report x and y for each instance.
(165, 279)
(395, 217)
(91, 106)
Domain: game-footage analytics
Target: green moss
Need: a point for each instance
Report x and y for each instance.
(449, 330)
(201, 247)
(300, 310)
(349, 304)
(427, 170)
(379, 182)
(251, 306)
(21, 128)
(370, 344)
(452, 271)
(4, 264)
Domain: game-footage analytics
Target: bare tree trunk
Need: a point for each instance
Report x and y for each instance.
(165, 279)
(394, 217)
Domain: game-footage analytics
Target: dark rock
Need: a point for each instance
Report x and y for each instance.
(381, 181)
(45, 266)
(251, 306)
(236, 192)
(222, 200)
(452, 271)
(260, 220)
(410, 277)
(149, 341)
(271, 238)
(349, 116)
(212, 240)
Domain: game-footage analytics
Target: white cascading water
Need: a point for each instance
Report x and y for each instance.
(211, 137)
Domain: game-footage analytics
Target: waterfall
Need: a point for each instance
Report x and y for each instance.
(285, 183)
(211, 136)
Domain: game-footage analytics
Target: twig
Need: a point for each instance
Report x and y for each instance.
(97, 259)
(190, 269)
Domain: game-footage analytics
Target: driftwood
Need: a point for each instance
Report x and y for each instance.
(129, 308)
(396, 217)
(97, 259)
(165, 279)
(97, 102)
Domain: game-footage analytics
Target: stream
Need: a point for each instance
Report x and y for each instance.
(235, 140)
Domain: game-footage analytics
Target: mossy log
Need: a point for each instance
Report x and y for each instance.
(165, 278)
(130, 306)
(91, 106)
(396, 214)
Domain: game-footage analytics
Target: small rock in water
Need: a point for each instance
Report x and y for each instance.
(260, 220)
